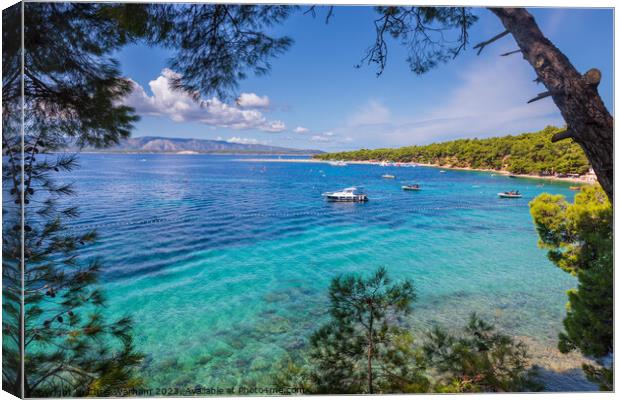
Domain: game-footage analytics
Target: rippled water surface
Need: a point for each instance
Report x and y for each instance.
(224, 263)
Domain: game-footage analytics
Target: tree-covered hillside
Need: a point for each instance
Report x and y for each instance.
(528, 153)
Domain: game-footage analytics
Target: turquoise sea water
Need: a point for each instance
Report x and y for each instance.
(224, 263)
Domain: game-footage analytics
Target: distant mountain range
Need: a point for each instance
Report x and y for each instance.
(154, 144)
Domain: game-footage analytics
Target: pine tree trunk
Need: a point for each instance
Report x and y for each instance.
(370, 368)
(588, 120)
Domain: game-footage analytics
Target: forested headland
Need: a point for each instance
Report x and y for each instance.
(527, 153)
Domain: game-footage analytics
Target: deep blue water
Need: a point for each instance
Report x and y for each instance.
(224, 263)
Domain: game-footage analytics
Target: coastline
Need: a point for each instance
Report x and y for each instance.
(188, 153)
(580, 180)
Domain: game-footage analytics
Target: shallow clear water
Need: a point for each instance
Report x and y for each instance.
(224, 264)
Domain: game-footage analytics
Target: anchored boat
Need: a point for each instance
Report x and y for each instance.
(388, 176)
(514, 194)
(338, 163)
(411, 187)
(346, 195)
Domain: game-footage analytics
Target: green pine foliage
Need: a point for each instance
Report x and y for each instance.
(528, 153)
(217, 45)
(70, 347)
(364, 348)
(579, 239)
(71, 93)
(480, 359)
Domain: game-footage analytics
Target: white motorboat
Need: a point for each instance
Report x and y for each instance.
(510, 195)
(388, 176)
(415, 186)
(346, 195)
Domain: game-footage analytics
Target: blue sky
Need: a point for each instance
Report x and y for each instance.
(315, 98)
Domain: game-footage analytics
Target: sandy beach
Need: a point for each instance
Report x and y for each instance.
(580, 180)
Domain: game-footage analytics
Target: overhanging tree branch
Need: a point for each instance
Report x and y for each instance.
(510, 53)
(480, 46)
(540, 96)
(567, 134)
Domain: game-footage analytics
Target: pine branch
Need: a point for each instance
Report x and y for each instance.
(480, 46)
(567, 134)
(511, 52)
(540, 96)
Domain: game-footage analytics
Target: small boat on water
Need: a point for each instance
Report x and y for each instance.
(346, 195)
(338, 163)
(574, 187)
(513, 194)
(411, 187)
(442, 172)
(388, 176)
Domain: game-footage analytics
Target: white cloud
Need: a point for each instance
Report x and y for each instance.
(373, 112)
(301, 129)
(323, 137)
(273, 126)
(490, 99)
(181, 107)
(252, 100)
(242, 140)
